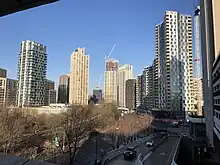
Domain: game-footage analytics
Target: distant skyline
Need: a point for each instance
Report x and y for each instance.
(96, 25)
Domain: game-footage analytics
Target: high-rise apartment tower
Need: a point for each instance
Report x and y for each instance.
(63, 89)
(3, 81)
(3, 73)
(148, 87)
(111, 80)
(174, 53)
(98, 94)
(130, 94)
(32, 66)
(49, 86)
(11, 93)
(125, 73)
(139, 91)
(79, 77)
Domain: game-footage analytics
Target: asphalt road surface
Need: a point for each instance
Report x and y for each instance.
(141, 149)
(164, 153)
(120, 161)
(162, 125)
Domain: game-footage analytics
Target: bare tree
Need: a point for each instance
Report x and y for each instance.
(12, 128)
(20, 132)
(74, 127)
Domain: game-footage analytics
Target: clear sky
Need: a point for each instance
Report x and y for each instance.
(94, 24)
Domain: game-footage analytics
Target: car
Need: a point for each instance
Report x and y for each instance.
(150, 143)
(130, 153)
(183, 134)
(162, 134)
(174, 124)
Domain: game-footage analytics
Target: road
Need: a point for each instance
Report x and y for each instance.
(164, 153)
(160, 156)
(163, 125)
(120, 159)
(141, 149)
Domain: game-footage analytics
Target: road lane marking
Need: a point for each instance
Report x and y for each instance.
(147, 156)
(174, 147)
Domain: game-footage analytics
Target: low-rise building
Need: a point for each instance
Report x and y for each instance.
(50, 109)
(197, 127)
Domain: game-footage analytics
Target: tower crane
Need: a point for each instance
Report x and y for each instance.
(106, 58)
(100, 78)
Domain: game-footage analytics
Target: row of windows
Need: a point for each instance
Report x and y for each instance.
(217, 73)
(216, 88)
(216, 101)
(217, 115)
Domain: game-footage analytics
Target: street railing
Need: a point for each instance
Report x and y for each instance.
(176, 152)
(139, 159)
(141, 156)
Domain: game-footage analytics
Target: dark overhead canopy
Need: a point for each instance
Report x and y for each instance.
(12, 6)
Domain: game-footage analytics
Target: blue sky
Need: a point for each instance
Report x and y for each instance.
(93, 24)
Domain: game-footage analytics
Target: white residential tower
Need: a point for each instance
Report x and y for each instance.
(32, 66)
(125, 73)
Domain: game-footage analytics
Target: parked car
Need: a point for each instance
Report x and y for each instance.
(130, 153)
(150, 143)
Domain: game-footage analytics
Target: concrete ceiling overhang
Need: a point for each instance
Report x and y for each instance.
(12, 6)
